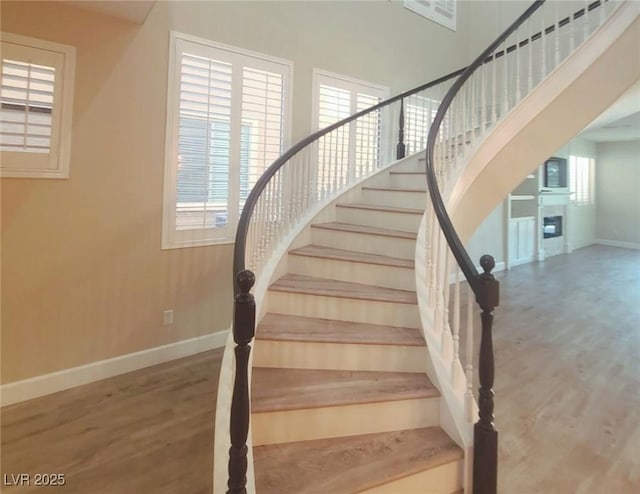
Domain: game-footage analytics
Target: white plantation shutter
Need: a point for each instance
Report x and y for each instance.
(35, 107)
(353, 149)
(204, 139)
(581, 172)
(228, 125)
(27, 104)
(262, 125)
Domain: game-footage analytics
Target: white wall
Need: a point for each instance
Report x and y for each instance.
(489, 238)
(618, 193)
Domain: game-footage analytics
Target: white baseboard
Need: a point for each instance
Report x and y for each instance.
(616, 243)
(27, 389)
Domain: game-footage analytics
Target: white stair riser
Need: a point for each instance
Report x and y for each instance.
(414, 165)
(367, 274)
(443, 479)
(407, 180)
(394, 198)
(360, 242)
(340, 421)
(345, 309)
(405, 222)
(339, 356)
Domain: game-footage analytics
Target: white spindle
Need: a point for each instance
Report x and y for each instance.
(456, 326)
(469, 357)
(556, 33)
(483, 100)
(433, 222)
(572, 33)
(585, 20)
(543, 52)
(494, 84)
(517, 55)
(463, 124)
(446, 353)
(505, 82)
(530, 60)
(472, 99)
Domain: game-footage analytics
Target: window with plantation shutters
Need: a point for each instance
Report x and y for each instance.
(581, 173)
(352, 150)
(226, 123)
(35, 107)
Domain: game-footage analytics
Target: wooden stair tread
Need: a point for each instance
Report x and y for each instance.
(397, 189)
(295, 283)
(367, 230)
(279, 389)
(375, 207)
(322, 252)
(282, 327)
(350, 464)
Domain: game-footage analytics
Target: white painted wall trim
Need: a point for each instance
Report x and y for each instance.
(617, 243)
(27, 389)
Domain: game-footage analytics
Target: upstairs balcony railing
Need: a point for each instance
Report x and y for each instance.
(450, 117)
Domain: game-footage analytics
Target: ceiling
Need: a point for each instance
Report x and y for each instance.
(619, 122)
(130, 10)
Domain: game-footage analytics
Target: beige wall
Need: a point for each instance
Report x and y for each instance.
(83, 275)
(618, 192)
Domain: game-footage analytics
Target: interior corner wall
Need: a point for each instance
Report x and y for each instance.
(618, 193)
(83, 275)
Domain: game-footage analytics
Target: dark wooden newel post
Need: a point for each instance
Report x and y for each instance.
(401, 148)
(485, 457)
(244, 318)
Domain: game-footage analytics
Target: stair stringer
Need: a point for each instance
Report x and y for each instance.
(567, 100)
(276, 267)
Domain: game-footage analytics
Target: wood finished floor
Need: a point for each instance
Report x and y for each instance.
(567, 342)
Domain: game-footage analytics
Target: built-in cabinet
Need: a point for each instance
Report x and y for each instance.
(522, 212)
(537, 219)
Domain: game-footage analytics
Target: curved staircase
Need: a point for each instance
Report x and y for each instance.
(341, 401)
(358, 381)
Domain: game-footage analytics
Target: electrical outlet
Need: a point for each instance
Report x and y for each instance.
(167, 317)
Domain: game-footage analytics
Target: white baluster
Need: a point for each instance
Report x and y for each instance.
(505, 82)
(483, 100)
(572, 33)
(435, 235)
(463, 124)
(494, 83)
(469, 357)
(556, 33)
(543, 54)
(530, 60)
(444, 342)
(439, 326)
(455, 365)
(472, 88)
(585, 20)
(517, 55)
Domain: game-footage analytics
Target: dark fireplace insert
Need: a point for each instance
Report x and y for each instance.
(552, 226)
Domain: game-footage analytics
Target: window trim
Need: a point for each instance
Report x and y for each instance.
(198, 237)
(61, 129)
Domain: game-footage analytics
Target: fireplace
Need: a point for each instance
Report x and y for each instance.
(552, 226)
